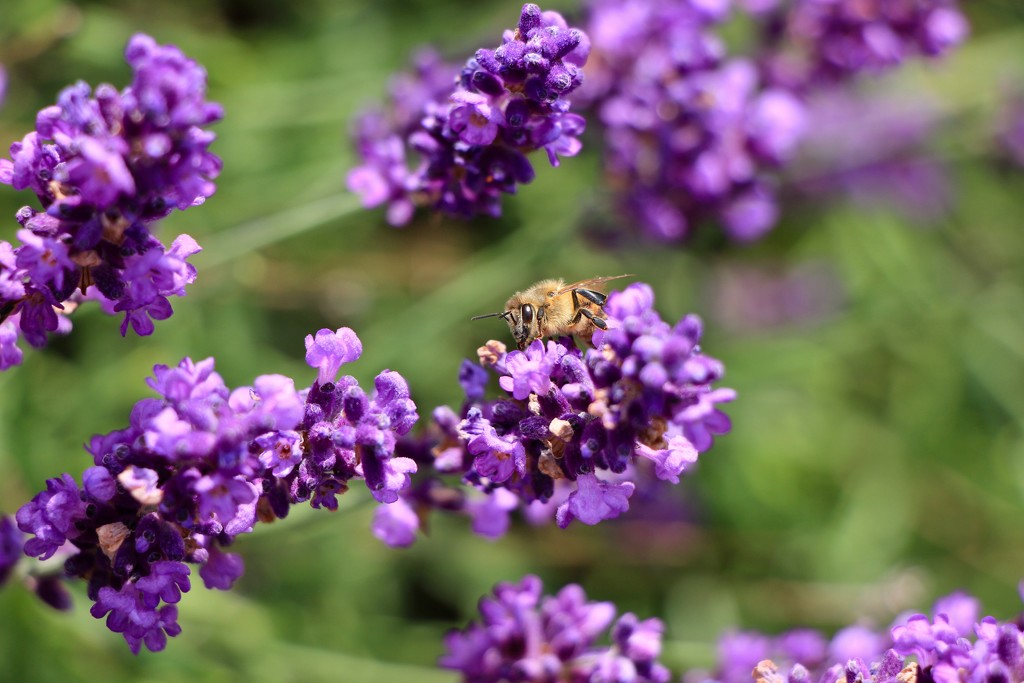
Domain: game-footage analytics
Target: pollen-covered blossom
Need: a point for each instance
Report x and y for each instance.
(690, 136)
(200, 465)
(576, 432)
(952, 646)
(525, 636)
(456, 140)
(105, 164)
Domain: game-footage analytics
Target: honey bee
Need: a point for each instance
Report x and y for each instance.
(552, 308)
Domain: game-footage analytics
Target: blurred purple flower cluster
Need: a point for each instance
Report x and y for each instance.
(952, 645)
(472, 129)
(692, 136)
(688, 134)
(1010, 132)
(810, 42)
(526, 636)
(575, 432)
(202, 464)
(105, 165)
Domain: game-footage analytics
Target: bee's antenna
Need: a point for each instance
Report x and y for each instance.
(503, 314)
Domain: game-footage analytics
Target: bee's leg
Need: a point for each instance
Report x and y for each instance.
(598, 322)
(597, 297)
(577, 309)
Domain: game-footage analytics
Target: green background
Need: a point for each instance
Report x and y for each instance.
(877, 455)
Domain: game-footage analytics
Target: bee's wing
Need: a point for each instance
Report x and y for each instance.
(587, 283)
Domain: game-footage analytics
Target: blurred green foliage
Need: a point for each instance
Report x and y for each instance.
(877, 456)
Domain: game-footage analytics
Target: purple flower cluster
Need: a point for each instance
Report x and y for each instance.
(692, 136)
(814, 41)
(526, 636)
(689, 136)
(105, 165)
(576, 432)
(874, 149)
(472, 129)
(202, 464)
(952, 646)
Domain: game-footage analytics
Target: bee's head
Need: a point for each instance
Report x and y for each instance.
(523, 321)
(523, 324)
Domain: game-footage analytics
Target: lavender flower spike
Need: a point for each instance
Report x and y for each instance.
(576, 432)
(952, 645)
(467, 133)
(524, 636)
(200, 465)
(105, 165)
(690, 137)
(813, 42)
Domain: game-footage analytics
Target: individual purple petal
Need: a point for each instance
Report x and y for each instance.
(282, 451)
(671, 461)
(328, 351)
(45, 260)
(474, 118)
(386, 478)
(396, 524)
(221, 569)
(961, 609)
(855, 642)
(490, 516)
(594, 500)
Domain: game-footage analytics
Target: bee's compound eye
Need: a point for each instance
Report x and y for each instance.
(527, 313)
